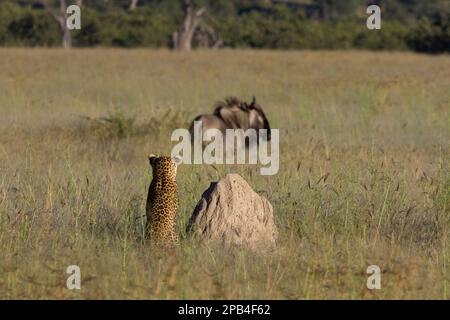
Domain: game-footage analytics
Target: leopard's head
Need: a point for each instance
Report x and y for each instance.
(164, 167)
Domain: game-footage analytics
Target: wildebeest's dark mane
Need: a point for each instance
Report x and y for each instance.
(228, 103)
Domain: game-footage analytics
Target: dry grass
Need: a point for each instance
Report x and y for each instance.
(364, 173)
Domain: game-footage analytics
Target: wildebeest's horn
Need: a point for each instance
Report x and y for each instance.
(253, 101)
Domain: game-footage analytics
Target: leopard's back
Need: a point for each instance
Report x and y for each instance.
(162, 202)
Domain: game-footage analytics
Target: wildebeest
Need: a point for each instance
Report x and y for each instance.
(234, 114)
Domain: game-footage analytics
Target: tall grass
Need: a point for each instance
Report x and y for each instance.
(364, 173)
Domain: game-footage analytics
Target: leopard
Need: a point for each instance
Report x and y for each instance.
(162, 200)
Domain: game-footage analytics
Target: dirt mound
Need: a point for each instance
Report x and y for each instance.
(231, 212)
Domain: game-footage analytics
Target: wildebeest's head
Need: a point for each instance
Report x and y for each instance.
(257, 117)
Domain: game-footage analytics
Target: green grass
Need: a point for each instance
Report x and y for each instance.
(364, 173)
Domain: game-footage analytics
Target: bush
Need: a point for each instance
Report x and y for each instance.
(116, 125)
(431, 36)
(26, 27)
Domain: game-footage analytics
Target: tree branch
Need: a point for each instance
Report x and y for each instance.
(61, 18)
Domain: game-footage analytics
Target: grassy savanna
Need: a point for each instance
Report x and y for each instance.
(364, 173)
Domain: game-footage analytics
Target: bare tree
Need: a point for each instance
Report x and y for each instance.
(182, 40)
(133, 4)
(61, 18)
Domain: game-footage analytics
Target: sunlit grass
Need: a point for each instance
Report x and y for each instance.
(364, 173)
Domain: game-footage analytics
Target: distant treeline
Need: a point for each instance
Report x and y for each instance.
(316, 24)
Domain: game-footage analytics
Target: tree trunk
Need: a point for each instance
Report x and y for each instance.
(67, 39)
(182, 40)
(61, 18)
(133, 4)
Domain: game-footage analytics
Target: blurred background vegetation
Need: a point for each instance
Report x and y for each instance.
(418, 25)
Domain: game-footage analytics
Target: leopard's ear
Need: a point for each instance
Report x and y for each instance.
(177, 160)
(151, 159)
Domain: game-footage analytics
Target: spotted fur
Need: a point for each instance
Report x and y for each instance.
(162, 200)
(234, 114)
